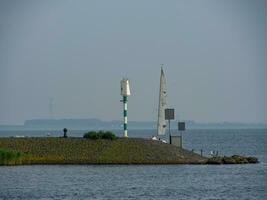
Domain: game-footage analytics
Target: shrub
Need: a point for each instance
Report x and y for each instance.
(109, 135)
(93, 135)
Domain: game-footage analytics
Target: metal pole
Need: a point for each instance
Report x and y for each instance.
(170, 131)
(125, 116)
(181, 139)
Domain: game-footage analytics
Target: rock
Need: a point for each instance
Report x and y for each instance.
(228, 160)
(215, 160)
(252, 160)
(240, 159)
(235, 159)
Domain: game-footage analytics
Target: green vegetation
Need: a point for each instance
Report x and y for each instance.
(86, 151)
(52, 150)
(9, 157)
(100, 135)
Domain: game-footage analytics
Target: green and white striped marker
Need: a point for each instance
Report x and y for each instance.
(125, 98)
(125, 92)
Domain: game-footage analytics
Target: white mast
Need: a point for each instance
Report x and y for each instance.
(161, 126)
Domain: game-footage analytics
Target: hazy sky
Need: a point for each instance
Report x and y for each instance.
(214, 53)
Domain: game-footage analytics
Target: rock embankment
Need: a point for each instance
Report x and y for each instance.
(235, 159)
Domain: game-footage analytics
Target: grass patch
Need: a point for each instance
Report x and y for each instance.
(9, 157)
(101, 150)
(97, 151)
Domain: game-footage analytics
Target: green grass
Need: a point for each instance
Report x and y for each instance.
(9, 157)
(100, 151)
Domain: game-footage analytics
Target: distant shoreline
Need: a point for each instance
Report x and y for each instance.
(98, 124)
(38, 128)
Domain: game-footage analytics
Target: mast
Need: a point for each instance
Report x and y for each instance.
(125, 92)
(161, 125)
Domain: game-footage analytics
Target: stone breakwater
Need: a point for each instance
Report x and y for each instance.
(235, 159)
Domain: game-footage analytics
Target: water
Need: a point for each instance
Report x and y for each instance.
(149, 181)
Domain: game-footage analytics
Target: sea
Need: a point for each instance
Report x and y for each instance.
(216, 182)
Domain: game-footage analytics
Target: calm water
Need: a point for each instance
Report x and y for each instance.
(149, 181)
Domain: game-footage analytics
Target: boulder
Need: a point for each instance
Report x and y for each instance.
(215, 160)
(240, 159)
(252, 160)
(228, 160)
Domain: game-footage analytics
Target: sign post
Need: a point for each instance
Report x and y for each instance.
(169, 115)
(181, 128)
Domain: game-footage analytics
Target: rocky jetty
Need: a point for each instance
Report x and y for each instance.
(235, 159)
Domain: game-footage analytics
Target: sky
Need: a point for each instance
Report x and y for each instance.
(76, 52)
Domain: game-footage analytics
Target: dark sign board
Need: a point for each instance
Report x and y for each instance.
(169, 113)
(181, 126)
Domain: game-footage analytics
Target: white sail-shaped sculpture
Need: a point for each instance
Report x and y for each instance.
(161, 126)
